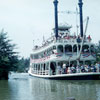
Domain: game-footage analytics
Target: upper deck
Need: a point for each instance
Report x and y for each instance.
(70, 40)
(64, 45)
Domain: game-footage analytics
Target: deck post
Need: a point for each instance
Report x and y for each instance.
(34, 68)
(69, 62)
(49, 69)
(37, 68)
(56, 68)
(45, 68)
(84, 62)
(42, 69)
(77, 50)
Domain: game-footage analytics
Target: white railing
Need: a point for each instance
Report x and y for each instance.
(41, 72)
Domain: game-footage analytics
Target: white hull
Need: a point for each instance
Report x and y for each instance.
(72, 76)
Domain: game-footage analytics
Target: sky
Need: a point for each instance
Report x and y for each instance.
(28, 20)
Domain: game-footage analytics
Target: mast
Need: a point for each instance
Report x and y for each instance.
(56, 18)
(81, 17)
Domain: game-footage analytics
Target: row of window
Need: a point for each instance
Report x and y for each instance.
(40, 66)
(75, 48)
(64, 49)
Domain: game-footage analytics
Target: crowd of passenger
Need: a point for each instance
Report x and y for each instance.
(78, 69)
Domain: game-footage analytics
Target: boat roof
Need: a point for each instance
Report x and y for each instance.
(64, 27)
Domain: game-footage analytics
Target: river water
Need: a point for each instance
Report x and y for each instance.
(24, 87)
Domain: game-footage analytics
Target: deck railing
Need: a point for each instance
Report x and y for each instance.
(62, 40)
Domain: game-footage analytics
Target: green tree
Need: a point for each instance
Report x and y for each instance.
(23, 65)
(8, 58)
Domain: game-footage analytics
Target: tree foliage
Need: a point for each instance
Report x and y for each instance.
(8, 58)
(23, 65)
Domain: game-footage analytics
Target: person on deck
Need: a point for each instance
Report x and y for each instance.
(73, 69)
(78, 69)
(86, 68)
(82, 68)
(69, 70)
(97, 67)
(64, 68)
(58, 69)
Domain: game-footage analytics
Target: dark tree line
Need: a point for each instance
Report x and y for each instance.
(9, 59)
(23, 65)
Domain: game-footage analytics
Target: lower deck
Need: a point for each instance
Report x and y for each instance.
(72, 76)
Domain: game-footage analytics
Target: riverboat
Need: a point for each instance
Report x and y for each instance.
(63, 55)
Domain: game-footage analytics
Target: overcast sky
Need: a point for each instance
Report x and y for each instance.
(28, 20)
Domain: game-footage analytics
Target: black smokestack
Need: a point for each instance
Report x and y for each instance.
(56, 17)
(81, 17)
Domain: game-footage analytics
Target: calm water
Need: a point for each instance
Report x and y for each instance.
(24, 87)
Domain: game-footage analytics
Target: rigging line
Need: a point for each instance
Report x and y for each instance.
(68, 12)
(83, 39)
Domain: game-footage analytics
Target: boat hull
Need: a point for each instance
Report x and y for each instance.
(77, 76)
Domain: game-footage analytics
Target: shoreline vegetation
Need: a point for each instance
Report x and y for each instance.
(9, 59)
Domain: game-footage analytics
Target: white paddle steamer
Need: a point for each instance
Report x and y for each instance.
(63, 55)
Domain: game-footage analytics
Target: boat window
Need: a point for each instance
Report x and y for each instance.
(47, 67)
(60, 49)
(48, 54)
(36, 66)
(68, 48)
(32, 65)
(92, 49)
(54, 47)
(88, 62)
(44, 67)
(79, 47)
(81, 62)
(75, 48)
(32, 56)
(60, 64)
(85, 49)
(39, 67)
(53, 67)
(45, 53)
(36, 56)
(73, 63)
(50, 50)
(41, 55)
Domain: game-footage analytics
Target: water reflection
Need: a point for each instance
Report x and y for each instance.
(4, 90)
(19, 85)
(23, 87)
(60, 90)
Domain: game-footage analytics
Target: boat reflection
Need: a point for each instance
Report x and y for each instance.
(60, 90)
(23, 87)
